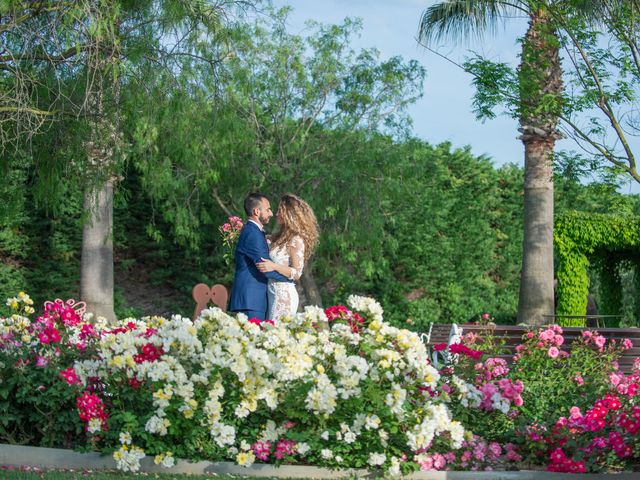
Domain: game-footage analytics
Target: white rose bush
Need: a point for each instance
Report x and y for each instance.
(338, 388)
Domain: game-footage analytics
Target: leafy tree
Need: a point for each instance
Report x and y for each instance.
(90, 51)
(537, 100)
(277, 116)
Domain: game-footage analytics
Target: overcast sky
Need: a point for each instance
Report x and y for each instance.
(444, 113)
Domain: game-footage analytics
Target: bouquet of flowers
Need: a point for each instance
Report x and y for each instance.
(230, 232)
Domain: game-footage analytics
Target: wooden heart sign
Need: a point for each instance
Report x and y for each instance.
(202, 295)
(79, 307)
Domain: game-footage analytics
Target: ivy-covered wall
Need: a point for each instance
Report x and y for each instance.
(599, 240)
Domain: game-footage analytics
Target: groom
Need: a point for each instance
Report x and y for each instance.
(249, 293)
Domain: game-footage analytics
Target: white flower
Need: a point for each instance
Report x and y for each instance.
(394, 469)
(325, 435)
(372, 422)
(384, 436)
(376, 459)
(326, 454)
(128, 459)
(303, 448)
(223, 434)
(350, 437)
(339, 459)
(158, 425)
(323, 397)
(94, 426)
(125, 438)
(165, 459)
(366, 305)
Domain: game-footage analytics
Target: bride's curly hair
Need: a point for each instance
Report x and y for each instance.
(297, 218)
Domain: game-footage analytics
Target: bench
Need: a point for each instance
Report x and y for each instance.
(512, 336)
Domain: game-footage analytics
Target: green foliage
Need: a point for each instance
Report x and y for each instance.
(433, 231)
(604, 239)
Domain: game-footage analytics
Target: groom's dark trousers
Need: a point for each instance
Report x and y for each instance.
(249, 292)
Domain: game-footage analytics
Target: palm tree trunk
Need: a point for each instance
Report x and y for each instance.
(536, 280)
(540, 77)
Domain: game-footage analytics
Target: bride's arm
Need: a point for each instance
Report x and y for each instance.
(267, 265)
(296, 261)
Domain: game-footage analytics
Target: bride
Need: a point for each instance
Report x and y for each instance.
(293, 243)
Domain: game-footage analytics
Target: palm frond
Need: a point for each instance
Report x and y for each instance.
(456, 19)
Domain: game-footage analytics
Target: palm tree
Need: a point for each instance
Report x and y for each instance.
(540, 91)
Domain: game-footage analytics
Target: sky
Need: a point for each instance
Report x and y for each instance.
(445, 112)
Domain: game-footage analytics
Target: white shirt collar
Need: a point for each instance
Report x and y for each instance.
(257, 224)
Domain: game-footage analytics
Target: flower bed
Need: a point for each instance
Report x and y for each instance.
(338, 388)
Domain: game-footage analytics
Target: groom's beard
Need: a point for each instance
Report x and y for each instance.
(264, 220)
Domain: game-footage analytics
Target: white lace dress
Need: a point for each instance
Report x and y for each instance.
(283, 297)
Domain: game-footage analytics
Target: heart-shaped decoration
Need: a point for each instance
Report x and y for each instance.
(202, 295)
(79, 307)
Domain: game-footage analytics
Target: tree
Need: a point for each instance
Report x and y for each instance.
(277, 116)
(101, 48)
(600, 109)
(539, 95)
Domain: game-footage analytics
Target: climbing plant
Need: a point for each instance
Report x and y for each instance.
(601, 240)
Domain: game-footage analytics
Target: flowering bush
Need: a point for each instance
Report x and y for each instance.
(605, 437)
(230, 232)
(557, 378)
(360, 393)
(36, 407)
(336, 387)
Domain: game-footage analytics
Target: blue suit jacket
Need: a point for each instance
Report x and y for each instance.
(250, 285)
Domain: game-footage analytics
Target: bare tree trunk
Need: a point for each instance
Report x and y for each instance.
(96, 275)
(310, 288)
(536, 280)
(96, 271)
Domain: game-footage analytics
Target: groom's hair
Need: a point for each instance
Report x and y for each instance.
(253, 201)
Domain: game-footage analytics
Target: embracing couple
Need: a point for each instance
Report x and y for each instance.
(268, 267)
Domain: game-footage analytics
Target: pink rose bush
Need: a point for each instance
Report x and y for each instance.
(605, 436)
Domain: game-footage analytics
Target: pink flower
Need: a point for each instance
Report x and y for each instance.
(553, 352)
(578, 379)
(614, 379)
(559, 340)
(439, 461)
(69, 375)
(262, 450)
(494, 448)
(627, 344)
(600, 341)
(587, 334)
(41, 361)
(547, 335)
